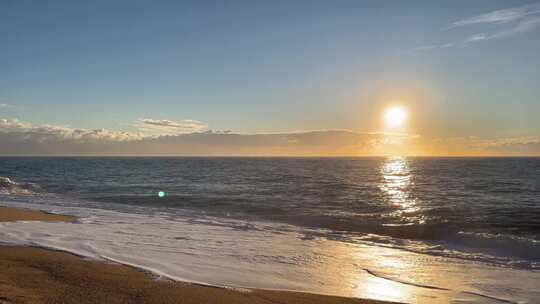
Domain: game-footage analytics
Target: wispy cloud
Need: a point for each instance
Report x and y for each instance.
(512, 22)
(477, 37)
(5, 105)
(500, 16)
(169, 127)
(433, 47)
(519, 28)
(520, 20)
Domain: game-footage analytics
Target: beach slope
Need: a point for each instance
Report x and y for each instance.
(8, 214)
(35, 275)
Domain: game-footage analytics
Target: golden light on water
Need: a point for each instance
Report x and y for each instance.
(397, 178)
(395, 117)
(378, 288)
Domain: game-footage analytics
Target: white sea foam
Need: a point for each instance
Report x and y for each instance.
(10, 187)
(235, 253)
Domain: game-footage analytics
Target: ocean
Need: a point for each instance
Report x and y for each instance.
(460, 230)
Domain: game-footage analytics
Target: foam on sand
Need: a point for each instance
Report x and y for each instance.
(233, 253)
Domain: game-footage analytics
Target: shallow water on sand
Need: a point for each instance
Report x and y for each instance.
(262, 255)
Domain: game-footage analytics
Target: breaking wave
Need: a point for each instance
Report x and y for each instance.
(10, 187)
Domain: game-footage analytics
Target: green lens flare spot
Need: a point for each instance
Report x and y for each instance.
(161, 194)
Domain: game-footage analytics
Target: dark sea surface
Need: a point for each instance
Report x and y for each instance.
(471, 208)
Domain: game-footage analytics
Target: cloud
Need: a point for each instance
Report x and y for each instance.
(523, 26)
(499, 16)
(520, 20)
(147, 128)
(505, 142)
(169, 127)
(477, 37)
(23, 138)
(433, 47)
(52, 133)
(5, 105)
(473, 145)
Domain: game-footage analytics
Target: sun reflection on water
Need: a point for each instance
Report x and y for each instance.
(396, 185)
(381, 272)
(350, 272)
(378, 288)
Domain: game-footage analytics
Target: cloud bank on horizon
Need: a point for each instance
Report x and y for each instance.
(194, 138)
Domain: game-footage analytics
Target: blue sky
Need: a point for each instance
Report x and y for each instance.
(462, 68)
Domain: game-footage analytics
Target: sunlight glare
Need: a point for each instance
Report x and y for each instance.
(395, 116)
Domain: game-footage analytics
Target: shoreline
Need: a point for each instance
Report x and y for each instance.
(41, 275)
(9, 214)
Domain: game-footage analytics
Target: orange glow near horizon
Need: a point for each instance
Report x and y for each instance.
(395, 141)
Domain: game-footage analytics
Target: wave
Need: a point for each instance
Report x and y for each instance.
(435, 239)
(9, 187)
(522, 254)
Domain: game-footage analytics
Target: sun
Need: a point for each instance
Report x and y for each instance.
(395, 117)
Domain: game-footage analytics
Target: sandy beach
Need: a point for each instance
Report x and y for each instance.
(270, 151)
(14, 214)
(35, 275)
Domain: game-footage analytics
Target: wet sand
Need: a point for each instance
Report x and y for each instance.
(13, 214)
(35, 275)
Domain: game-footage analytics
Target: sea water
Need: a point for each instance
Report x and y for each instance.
(403, 229)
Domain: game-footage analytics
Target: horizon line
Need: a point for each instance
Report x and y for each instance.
(268, 156)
